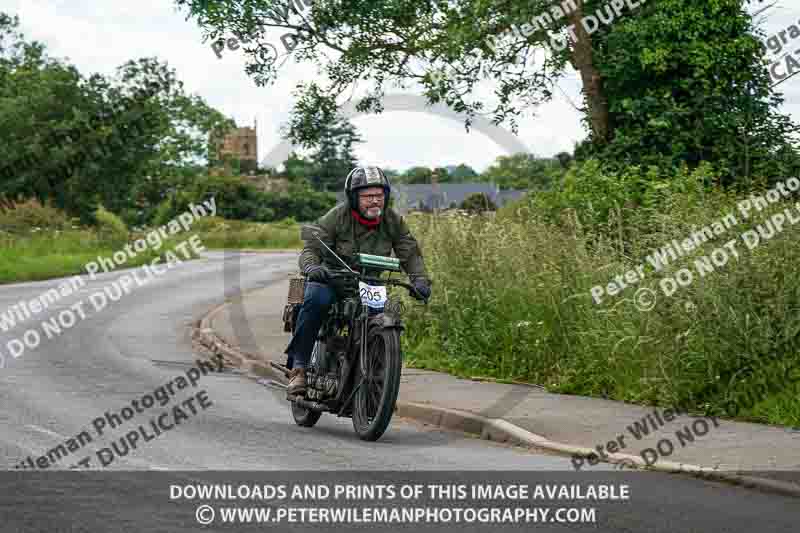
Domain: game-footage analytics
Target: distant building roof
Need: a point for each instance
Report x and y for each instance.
(509, 195)
(442, 196)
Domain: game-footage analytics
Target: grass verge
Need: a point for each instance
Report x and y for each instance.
(39, 242)
(219, 233)
(512, 300)
(53, 254)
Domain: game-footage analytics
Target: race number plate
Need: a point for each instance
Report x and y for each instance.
(372, 295)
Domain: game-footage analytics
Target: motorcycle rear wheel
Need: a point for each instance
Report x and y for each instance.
(374, 401)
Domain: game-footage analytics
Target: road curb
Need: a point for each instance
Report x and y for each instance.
(206, 336)
(494, 429)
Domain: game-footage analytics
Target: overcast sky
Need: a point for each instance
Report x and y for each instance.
(99, 35)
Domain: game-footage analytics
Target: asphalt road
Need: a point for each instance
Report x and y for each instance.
(54, 395)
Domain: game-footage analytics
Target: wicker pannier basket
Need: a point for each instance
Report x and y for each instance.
(297, 287)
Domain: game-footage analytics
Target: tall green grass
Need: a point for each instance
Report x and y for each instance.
(216, 232)
(39, 242)
(512, 301)
(47, 255)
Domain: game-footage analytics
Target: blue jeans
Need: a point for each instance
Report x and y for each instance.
(317, 301)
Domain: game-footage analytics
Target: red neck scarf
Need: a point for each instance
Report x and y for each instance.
(365, 221)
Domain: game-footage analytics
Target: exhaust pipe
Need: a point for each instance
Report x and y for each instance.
(313, 406)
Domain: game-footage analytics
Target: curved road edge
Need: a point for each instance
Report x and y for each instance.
(494, 429)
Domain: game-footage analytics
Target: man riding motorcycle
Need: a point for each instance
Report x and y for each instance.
(361, 224)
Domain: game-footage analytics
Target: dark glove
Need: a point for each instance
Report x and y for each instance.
(317, 273)
(423, 287)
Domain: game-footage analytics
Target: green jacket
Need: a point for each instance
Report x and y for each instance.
(345, 236)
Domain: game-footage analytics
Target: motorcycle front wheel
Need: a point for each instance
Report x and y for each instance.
(374, 401)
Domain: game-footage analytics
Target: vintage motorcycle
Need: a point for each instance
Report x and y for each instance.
(355, 366)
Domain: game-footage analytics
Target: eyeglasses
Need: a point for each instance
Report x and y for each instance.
(371, 197)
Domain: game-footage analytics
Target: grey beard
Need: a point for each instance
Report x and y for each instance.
(364, 214)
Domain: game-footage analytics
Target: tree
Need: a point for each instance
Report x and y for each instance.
(390, 172)
(651, 78)
(334, 156)
(442, 45)
(81, 142)
(522, 171)
(564, 159)
(298, 169)
(417, 175)
(239, 200)
(441, 174)
(686, 83)
(478, 202)
(463, 173)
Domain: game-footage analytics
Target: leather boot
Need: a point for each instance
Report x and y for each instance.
(297, 381)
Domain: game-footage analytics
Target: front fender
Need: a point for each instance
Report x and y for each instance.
(385, 320)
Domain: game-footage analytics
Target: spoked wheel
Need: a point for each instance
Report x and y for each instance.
(375, 399)
(302, 416)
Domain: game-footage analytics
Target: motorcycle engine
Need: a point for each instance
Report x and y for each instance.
(328, 385)
(325, 386)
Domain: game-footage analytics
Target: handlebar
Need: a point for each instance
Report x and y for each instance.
(369, 279)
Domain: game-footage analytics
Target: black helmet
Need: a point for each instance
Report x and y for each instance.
(363, 177)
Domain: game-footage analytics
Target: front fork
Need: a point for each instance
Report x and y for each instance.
(389, 321)
(365, 318)
(358, 373)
